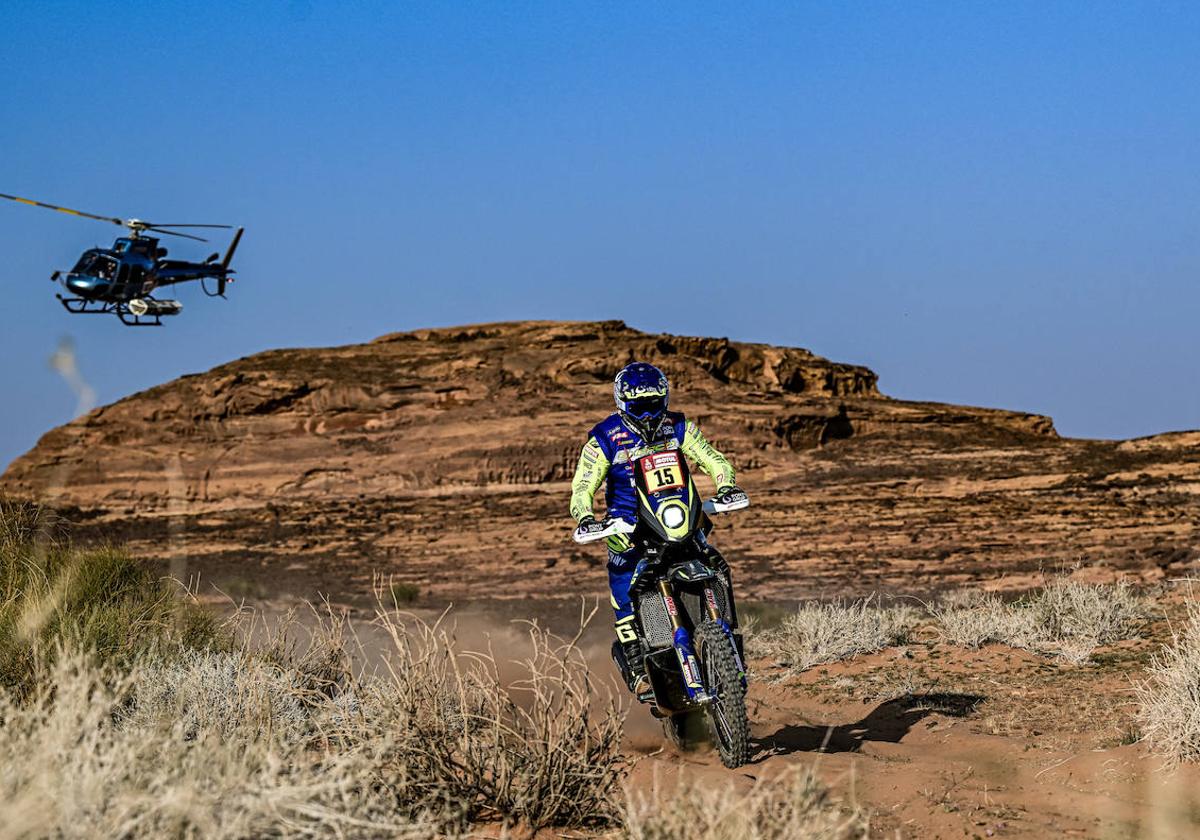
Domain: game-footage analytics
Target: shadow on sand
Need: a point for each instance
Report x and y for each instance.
(889, 721)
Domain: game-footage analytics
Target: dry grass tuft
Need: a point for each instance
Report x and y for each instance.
(819, 633)
(793, 806)
(1066, 618)
(1168, 714)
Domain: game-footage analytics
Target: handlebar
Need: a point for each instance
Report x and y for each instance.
(596, 531)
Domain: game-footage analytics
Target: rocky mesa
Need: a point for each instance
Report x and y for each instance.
(442, 457)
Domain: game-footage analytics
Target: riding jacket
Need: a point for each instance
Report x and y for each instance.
(609, 452)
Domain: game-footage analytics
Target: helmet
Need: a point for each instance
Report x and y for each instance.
(641, 392)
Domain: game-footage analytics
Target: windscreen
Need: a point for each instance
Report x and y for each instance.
(85, 263)
(96, 265)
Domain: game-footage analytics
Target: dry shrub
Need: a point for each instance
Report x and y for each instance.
(1168, 713)
(1065, 618)
(1103, 613)
(537, 754)
(958, 598)
(974, 623)
(121, 715)
(219, 693)
(73, 765)
(820, 633)
(793, 806)
(289, 741)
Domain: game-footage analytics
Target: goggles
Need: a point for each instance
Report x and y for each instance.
(644, 408)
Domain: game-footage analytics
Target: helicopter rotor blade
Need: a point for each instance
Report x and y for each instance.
(173, 233)
(33, 203)
(133, 224)
(161, 225)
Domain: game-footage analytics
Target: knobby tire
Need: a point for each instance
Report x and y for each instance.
(727, 711)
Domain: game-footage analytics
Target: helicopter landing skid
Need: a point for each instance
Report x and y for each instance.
(131, 320)
(82, 306)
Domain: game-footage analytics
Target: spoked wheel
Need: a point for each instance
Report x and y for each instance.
(727, 709)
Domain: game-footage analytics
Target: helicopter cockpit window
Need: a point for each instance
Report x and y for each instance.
(104, 267)
(84, 265)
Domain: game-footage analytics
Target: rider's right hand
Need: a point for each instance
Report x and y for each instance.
(589, 526)
(589, 530)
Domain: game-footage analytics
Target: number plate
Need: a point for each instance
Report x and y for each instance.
(661, 471)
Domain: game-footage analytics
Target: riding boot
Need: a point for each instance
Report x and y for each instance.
(634, 653)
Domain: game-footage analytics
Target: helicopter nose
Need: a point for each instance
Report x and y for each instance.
(85, 285)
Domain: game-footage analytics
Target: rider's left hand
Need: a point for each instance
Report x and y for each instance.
(730, 494)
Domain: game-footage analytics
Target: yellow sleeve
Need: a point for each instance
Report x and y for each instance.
(589, 475)
(710, 460)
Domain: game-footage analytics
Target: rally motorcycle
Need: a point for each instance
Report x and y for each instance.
(683, 602)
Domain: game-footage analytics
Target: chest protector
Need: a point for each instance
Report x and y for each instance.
(622, 446)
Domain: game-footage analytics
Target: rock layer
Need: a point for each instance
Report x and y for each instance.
(442, 457)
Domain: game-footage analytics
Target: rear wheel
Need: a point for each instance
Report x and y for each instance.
(723, 680)
(685, 730)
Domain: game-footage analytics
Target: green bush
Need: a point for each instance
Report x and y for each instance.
(98, 601)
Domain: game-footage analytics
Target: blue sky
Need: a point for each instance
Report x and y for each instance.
(988, 203)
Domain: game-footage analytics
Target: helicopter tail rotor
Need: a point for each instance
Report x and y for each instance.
(223, 279)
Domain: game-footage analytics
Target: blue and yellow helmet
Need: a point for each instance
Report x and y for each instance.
(641, 392)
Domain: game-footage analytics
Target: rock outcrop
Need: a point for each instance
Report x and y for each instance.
(442, 457)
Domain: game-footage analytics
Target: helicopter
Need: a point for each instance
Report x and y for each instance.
(119, 280)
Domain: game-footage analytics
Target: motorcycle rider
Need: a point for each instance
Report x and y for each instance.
(642, 393)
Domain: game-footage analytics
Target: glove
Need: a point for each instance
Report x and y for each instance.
(588, 526)
(590, 530)
(731, 493)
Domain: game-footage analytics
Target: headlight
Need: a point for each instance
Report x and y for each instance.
(673, 516)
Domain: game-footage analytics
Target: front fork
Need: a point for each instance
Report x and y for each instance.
(710, 601)
(682, 642)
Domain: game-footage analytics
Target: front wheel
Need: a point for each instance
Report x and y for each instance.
(723, 680)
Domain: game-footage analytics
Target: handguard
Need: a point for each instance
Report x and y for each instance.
(727, 502)
(593, 531)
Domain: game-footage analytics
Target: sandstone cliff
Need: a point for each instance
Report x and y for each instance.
(442, 456)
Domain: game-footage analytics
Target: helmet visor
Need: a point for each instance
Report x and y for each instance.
(645, 408)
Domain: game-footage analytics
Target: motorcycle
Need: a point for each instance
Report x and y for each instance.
(683, 602)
